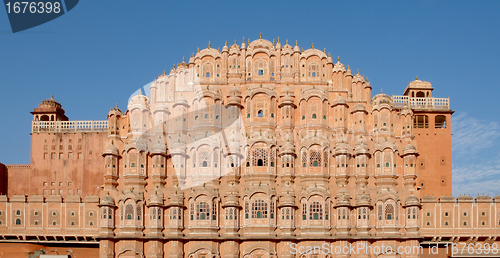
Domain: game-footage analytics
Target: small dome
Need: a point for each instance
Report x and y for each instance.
(363, 199)
(358, 78)
(359, 108)
(382, 98)
(287, 196)
(296, 48)
(233, 142)
(176, 197)
(343, 197)
(338, 67)
(361, 147)
(231, 201)
(349, 72)
(156, 199)
(341, 147)
(339, 101)
(181, 100)
(111, 150)
(287, 148)
(108, 200)
(159, 148)
(412, 201)
(367, 83)
(115, 111)
(48, 103)
(234, 91)
(409, 149)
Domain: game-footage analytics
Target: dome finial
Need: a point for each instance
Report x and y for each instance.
(286, 41)
(198, 50)
(381, 91)
(296, 43)
(338, 59)
(163, 72)
(260, 37)
(249, 42)
(52, 96)
(273, 42)
(278, 39)
(208, 44)
(312, 45)
(225, 44)
(183, 60)
(324, 50)
(358, 72)
(416, 78)
(236, 43)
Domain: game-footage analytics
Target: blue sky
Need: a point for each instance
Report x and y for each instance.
(99, 53)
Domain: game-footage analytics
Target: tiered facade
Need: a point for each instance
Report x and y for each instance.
(314, 160)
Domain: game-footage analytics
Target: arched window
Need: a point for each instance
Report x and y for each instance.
(313, 74)
(129, 211)
(206, 116)
(246, 210)
(18, 212)
(421, 121)
(440, 122)
(389, 211)
(139, 211)
(260, 113)
(316, 211)
(259, 209)
(314, 116)
(259, 157)
(387, 164)
(204, 159)
(214, 210)
(18, 222)
(315, 159)
(202, 211)
(207, 75)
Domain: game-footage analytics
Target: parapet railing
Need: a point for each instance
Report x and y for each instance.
(69, 126)
(421, 103)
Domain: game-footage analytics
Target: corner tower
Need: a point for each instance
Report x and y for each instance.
(432, 132)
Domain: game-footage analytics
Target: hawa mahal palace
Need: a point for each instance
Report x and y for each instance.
(261, 149)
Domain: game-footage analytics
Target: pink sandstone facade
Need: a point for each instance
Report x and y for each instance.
(322, 163)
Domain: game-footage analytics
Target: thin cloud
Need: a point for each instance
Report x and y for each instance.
(476, 165)
(471, 135)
